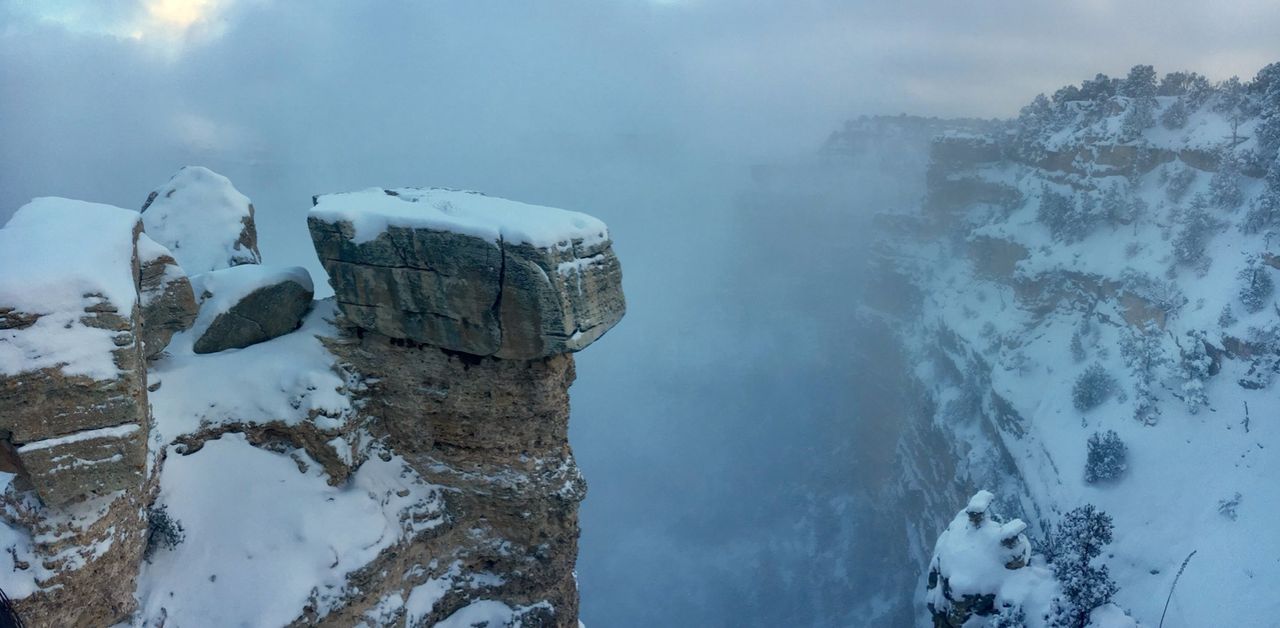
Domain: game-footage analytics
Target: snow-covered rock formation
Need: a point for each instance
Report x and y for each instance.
(277, 462)
(469, 272)
(1090, 314)
(73, 410)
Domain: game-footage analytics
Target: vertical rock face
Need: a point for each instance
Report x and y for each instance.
(468, 272)
(462, 312)
(168, 302)
(73, 390)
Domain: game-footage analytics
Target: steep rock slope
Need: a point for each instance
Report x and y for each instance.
(1101, 268)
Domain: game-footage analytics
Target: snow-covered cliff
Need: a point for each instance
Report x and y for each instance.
(1095, 324)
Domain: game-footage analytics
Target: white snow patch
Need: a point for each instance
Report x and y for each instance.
(198, 215)
(263, 538)
(371, 211)
(119, 431)
(288, 379)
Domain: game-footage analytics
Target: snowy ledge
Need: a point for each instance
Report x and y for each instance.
(372, 211)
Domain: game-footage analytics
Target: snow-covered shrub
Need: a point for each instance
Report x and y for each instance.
(1227, 318)
(1264, 211)
(1079, 539)
(1195, 365)
(1195, 228)
(1092, 387)
(1144, 355)
(1066, 220)
(1008, 616)
(1175, 116)
(1115, 206)
(1256, 285)
(163, 531)
(1178, 180)
(1107, 459)
(1227, 507)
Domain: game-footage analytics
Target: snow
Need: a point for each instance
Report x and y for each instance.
(264, 539)
(289, 379)
(1166, 505)
(198, 215)
(60, 256)
(372, 211)
(220, 290)
(119, 431)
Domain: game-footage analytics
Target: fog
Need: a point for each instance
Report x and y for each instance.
(732, 426)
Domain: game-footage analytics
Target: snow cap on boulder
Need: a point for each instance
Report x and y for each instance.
(245, 305)
(468, 272)
(204, 221)
(72, 376)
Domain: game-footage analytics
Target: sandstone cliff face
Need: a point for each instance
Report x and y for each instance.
(464, 342)
(494, 432)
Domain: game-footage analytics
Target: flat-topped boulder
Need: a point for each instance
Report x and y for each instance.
(245, 305)
(468, 272)
(72, 375)
(204, 221)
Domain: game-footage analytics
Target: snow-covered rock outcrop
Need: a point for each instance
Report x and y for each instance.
(325, 472)
(203, 220)
(73, 411)
(469, 272)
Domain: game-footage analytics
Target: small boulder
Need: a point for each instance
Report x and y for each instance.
(468, 272)
(245, 305)
(168, 302)
(203, 220)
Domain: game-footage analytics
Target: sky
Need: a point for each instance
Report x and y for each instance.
(698, 416)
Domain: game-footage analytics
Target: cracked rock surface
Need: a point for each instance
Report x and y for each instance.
(443, 268)
(245, 305)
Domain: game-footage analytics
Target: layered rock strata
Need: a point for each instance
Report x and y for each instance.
(462, 321)
(468, 272)
(75, 419)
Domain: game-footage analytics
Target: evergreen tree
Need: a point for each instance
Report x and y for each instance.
(1144, 356)
(1178, 180)
(1175, 116)
(1092, 388)
(1195, 363)
(1267, 84)
(1081, 535)
(1224, 187)
(1227, 318)
(1140, 88)
(1194, 232)
(1107, 458)
(1264, 213)
(1114, 206)
(1255, 285)
(1065, 220)
(1233, 102)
